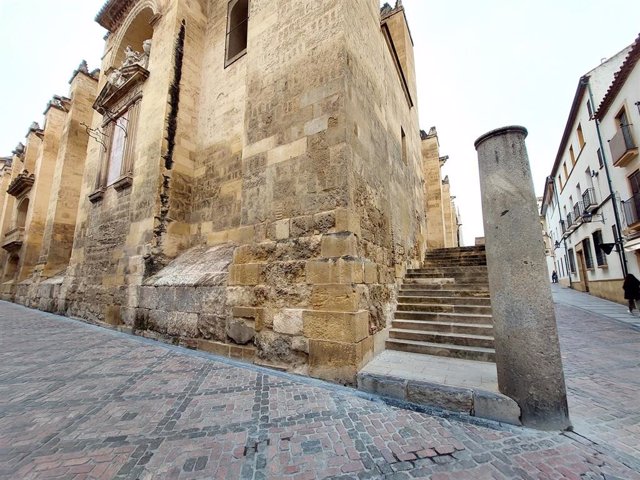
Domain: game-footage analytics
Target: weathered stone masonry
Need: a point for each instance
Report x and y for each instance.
(262, 207)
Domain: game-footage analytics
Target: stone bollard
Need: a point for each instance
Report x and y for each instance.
(526, 336)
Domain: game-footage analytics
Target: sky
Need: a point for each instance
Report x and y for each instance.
(480, 65)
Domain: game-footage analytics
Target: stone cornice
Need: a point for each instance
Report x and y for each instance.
(21, 184)
(111, 95)
(113, 13)
(61, 103)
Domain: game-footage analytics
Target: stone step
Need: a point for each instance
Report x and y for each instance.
(450, 271)
(443, 317)
(459, 300)
(431, 284)
(435, 254)
(462, 282)
(443, 350)
(472, 248)
(461, 275)
(448, 262)
(415, 291)
(444, 308)
(462, 339)
(455, 254)
(448, 327)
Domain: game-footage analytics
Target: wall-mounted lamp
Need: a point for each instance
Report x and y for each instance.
(588, 217)
(556, 245)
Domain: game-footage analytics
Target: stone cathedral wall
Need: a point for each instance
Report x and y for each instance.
(272, 205)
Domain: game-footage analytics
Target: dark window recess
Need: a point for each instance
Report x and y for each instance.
(589, 109)
(601, 257)
(237, 29)
(572, 261)
(404, 145)
(588, 257)
(632, 206)
(600, 159)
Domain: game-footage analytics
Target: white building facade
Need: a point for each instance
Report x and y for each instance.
(583, 197)
(619, 119)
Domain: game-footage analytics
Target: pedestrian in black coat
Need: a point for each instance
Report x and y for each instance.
(631, 287)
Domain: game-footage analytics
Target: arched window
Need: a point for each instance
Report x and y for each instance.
(21, 217)
(237, 28)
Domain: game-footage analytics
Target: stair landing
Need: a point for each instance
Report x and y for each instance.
(453, 372)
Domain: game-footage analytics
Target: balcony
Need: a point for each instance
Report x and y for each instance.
(631, 210)
(571, 226)
(21, 184)
(623, 148)
(13, 239)
(578, 210)
(589, 201)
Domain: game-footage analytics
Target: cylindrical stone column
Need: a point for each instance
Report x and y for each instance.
(526, 335)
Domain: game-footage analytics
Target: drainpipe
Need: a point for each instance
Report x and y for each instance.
(551, 181)
(618, 237)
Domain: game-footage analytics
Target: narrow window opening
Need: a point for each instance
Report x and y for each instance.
(588, 258)
(572, 155)
(116, 155)
(572, 261)
(237, 30)
(600, 159)
(404, 146)
(601, 257)
(580, 137)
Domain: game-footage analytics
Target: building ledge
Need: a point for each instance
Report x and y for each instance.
(96, 196)
(21, 184)
(624, 160)
(13, 240)
(123, 183)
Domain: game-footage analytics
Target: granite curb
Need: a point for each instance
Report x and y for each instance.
(474, 402)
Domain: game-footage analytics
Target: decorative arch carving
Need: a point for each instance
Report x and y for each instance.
(124, 28)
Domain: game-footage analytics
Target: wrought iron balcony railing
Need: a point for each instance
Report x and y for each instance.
(631, 210)
(623, 148)
(589, 201)
(578, 210)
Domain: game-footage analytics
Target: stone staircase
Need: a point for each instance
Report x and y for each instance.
(444, 308)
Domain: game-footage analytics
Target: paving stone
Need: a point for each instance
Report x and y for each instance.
(78, 397)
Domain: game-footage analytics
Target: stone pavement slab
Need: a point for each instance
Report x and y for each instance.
(81, 402)
(445, 371)
(593, 304)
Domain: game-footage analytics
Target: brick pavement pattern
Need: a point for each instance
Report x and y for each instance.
(80, 402)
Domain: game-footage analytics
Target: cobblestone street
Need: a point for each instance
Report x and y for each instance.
(77, 401)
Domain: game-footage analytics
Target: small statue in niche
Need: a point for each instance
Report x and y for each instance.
(131, 57)
(144, 56)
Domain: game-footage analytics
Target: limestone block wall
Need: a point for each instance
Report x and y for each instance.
(116, 234)
(274, 222)
(38, 195)
(5, 179)
(433, 190)
(450, 227)
(16, 209)
(67, 178)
